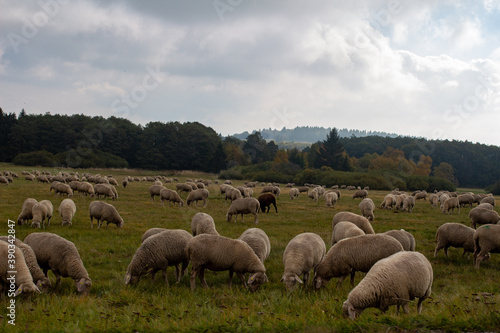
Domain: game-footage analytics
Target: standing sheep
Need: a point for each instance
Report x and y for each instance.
(41, 210)
(455, 235)
(157, 252)
(203, 223)
(389, 201)
(488, 199)
(361, 221)
(354, 254)
(486, 240)
(366, 206)
(61, 256)
(102, 211)
(360, 194)
(331, 198)
(258, 240)
(345, 229)
(408, 203)
(313, 194)
(404, 237)
(243, 206)
(302, 254)
(169, 195)
(67, 210)
(150, 232)
(104, 190)
(22, 276)
(266, 200)
(450, 204)
(154, 190)
(395, 280)
(294, 193)
(480, 215)
(197, 195)
(218, 253)
(26, 211)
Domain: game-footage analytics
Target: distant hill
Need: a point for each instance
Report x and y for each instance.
(307, 134)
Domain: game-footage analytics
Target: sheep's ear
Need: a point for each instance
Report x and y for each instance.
(282, 278)
(297, 278)
(127, 278)
(39, 284)
(80, 285)
(18, 291)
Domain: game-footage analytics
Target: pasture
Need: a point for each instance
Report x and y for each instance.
(463, 298)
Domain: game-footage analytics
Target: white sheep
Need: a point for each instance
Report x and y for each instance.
(219, 253)
(86, 188)
(465, 199)
(408, 203)
(183, 187)
(345, 229)
(169, 195)
(61, 256)
(404, 237)
(353, 254)
(302, 254)
(232, 194)
(395, 280)
(450, 204)
(102, 211)
(360, 194)
(150, 232)
(67, 210)
(243, 206)
(202, 223)
(482, 215)
(154, 190)
(19, 274)
(389, 201)
(41, 210)
(313, 194)
(294, 193)
(367, 206)
(105, 190)
(157, 252)
(486, 239)
(26, 211)
(62, 188)
(197, 195)
(331, 198)
(455, 235)
(488, 199)
(361, 221)
(258, 241)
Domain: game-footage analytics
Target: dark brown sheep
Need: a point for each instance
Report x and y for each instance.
(266, 200)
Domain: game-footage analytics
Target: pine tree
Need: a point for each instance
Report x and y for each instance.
(332, 152)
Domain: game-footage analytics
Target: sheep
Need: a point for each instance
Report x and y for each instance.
(104, 190)
(183, 187)
(488, 199)
(486, 239)
(409, 203)
(39, 279)
(353, 254)
(345, 229)
(61, 256)
(450, 204)
(42, 179)
(41, 210)
(102, 211)
(267, 189)
(302, 254)
(157, 252)
(62, 188)
(266, 200)
(19, 275)
(421, 195)
(26, 211)
(154, 190)
(125, 182)
(389, 201)
(330, 198)
(243, 206)
(4, 180)
(395, 280)
(303, 189)
(258, 240)
(455, 235)
(313, 194)
(202, 223)
(404, 237)
(366, 206)
(232, 194)
(294, 193)
(86, 188)
(479, 215)
(219, 253)
(361, 221)
(67, 210)
(465, 199)
(433, 199)
(360, 194)
(150, 232)
(169, 195)
(197, 195)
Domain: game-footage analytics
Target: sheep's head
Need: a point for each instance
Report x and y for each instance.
(35, 224)
(27, 288)
(318, 281)
(131, 279)
(350, 311)
(229, 216)
(83, 286)
(255, 280)
(290, 280)
(43, 284)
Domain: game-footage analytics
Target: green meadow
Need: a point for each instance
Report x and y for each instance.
(463, 298)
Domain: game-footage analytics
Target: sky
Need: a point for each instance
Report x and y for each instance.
(422, 68)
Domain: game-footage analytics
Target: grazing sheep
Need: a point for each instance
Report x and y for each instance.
(232, 194)
(258, 240)
(353, 254)
(450, 204)
(102, 211)
(169, 195)
(389, 201)
(483, 216)
(39, 279)
(26, 211)
(157, 252)
(266, 200)
(86, 188)
(489, 199)
(345, 229)
(366, 206)
(243, 206)
(302, 254)
(408, 204)
(303, 189)
(294, 193)
(150, 232)
(486, 239)
(218, 253)
(465, 199)
(155, 190)
(331, 198)
(125, 182)
(4, 180)
(62, 188)
(455, 235)
(41, 210)
(104, 190)
(42, 179)
(183, 187)
(395, 280)
(203, 223)
(197, 195)
(360, 194)
(404, 237)
(421, 195)
(361, 221)
(313, 194)
(67, 210)
(433, 199)
(20, 274)
(61, 256)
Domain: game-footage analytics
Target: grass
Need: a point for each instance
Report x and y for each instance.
(463, 298)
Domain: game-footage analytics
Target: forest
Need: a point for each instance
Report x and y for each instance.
(80, 141)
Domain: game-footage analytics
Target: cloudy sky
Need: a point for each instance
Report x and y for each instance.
(422, 68)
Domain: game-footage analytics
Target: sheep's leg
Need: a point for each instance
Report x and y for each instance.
(204, 203)
(177, 273)
(419, 305)
(164, 271)
(446, 251)
(184, 268)
(194, 272)
(230, 280)
(91, 222)
(341, 279)
(202, 277)
(58, 279)
(406, 308)
(352, 277)
(436, 250)
(256, 221)
(242, 278)
(305, 278)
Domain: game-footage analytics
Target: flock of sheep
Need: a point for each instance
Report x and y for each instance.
(395, 272)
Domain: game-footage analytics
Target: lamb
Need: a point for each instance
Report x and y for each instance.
(39, 279)
(26, 211)
(169, 195)
(366, 206)
(67, 210)
(155, 190)
(345, 229)
(409, 203)
(397, 279)
(102, 211)
(41, 210)
(203, 223)
(404, 237)
(450, 204)
(389, 201)
(360, 194)
(258, 240)
(294, 193)
(483, 216)
(61, 256)
(331, 198)
(302, 254)
(243, 206)
(219, 253)
(157, 252)
(150, 232)
(197, 195)
(22, 276)
(486, 239)
(104, 190)
(455, 235)
(354, 254)
(361, 221)
(266, 200)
